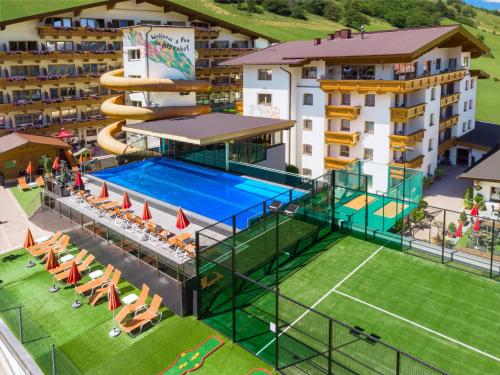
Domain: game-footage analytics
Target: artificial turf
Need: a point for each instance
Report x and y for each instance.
(29, 200)
(81, 335)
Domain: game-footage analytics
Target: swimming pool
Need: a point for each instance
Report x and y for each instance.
(208, 192)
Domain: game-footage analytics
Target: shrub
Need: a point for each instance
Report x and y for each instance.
(428, 181)
(452, 228)
(423, 204)
(469, 193)
(292, 168)
(464, 219)
(438, 172)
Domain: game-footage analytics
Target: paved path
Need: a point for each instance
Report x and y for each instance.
(448, 192)
(14, 222)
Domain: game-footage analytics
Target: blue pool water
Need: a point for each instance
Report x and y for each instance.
(208, 192)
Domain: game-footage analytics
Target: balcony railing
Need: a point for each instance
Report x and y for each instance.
(223, 52)
(342, 111)
(20, 56)
(446, 145)
(56, 126)
(401, 142)
(47, 80)
(201, 33)
(25, 105)
(71, 32)
(449, 99)
(448, 122)
(332, 162)
(217, 71)
(395, 86)
(403, 114)
(415, 163)
(343, 138)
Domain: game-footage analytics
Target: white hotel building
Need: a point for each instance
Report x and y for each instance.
(399, 96)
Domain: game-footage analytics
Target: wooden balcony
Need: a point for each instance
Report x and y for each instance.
(414, 163)
(47, 80)
(395, 86)
(448, 123)
(343, 111)
(83, 32)
(332, 162)
(68, 125)
(220, 88)
(342, 138)
(401, 142)
(37, 56)
(449, 99)
(223, 52)
(446, 145)
(41, 105)
(403, 114)
(201, 33)
(217, 71)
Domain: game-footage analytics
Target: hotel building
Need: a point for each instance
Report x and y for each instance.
(51, 62)
(396, 97)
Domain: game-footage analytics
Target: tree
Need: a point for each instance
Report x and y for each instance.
(333, 11)
(352, 15)
(316, 6)
(298, 10)
(281, 7)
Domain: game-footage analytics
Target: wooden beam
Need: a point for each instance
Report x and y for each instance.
(111, 5)
(77, 12)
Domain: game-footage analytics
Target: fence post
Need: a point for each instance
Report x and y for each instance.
(403, 207)
(398, 362)
(330, 345)
(443, 233)
(233, 279)
(366, 207)
(277, 248)
(276, 331)
(53, 354)
(492, 249)
(21, 334)
(264, 210)
(332, 184)
(197, 266)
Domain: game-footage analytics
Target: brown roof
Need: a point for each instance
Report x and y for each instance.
(405, 44)
(14, 140)
(210, 128)
(487, 168)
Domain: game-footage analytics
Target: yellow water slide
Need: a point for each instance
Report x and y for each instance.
(115, 107)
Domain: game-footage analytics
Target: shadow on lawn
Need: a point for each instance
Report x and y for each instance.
(11, 257)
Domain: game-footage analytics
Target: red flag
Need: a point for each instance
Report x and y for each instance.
(74, 275)
(475, 210)
(29, 168)
(28, 241)
(476, 226)
(51, 261)
(126, 204)
(146, 213)
(78, 180)
(56, 166)
(113, 299)
(182, 220)
(104, 191)
(458, 232)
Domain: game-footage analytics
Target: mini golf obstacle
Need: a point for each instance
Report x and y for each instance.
(260, 371)
(193, 359)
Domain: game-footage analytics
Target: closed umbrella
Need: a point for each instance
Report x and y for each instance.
(49, 266)
(476, 226)
(80, 160)
(146, 213)
(78, 181)
(104, 191)
(182, 220)
(29, 169)
(56, 166)
(113, 303)
(475, 210)
(28, 242)
(126, 204)
(458, 232)
(73, 278)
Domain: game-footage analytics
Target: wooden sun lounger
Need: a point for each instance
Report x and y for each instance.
(147, 317)
(129, 309)
(64, 266)
(108, 206)
(96, 201)
(63, 241)
(102, 292)
(40, 181)
(22, 184)
(55, 237)
(62, 276)
(96, 283)
(178, 239)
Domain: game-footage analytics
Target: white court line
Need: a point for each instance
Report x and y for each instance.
(419, 326)
(325, 295)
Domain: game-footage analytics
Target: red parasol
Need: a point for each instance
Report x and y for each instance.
(63, 134)
(475, 210)
(104, 191)
(28, 241)
(29, 169)
(146, 213)
(51, 264)
(476, 226)
(113, 303)
(73, 278)
(78, 180)
(55, 165)
(458, 232)
(126, 204)
(182, 220)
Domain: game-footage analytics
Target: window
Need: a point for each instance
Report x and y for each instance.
(306, 172)
(358, 71)
(136, 103)
(429, 170)
(92, 22)
(368, 154)
(134, 54)
(472, 83)
(452, 64)
(464, 127)
(68, 115)
(430, 145)
(94, 68)
(438, 64)
(307, 149)
(309, 72)
(220, 44)
(10, 164)
(59, 46)
(370, 100)
(240, 44)
(150, 22)
(61, 22)
(28, 119)
(433, 93)
(176, 23)
(495, 194)
(344, 151)
(63, 92)
(431, 119)
(465, 62)
(469, 124)
(369, 127)
(90, 90)
(116, 46)
(470, 103)
(265, 75)
(3, 122)
(94, 46)
(25, 71)
(91, 132)
(201, 44)
(264, 99)
(346, 99)
(116, 24)
(465, 106)
(307, 124)
(34, 94)
(345, 125)
(91, 112)
(466, 84)
(308, 99)
(406, 71)
(23, 45)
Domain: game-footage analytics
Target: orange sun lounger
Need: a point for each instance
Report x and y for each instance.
(62, 276)
(129, 309)
(102, 292)
(139, 321)
(96, 283)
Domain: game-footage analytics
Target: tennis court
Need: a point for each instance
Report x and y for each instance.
(443, 316)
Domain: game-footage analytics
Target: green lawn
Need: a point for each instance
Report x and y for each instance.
(451, 302)
(81, 338)
(29, 200)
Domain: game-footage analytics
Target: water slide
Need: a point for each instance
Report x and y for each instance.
(115, 107)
